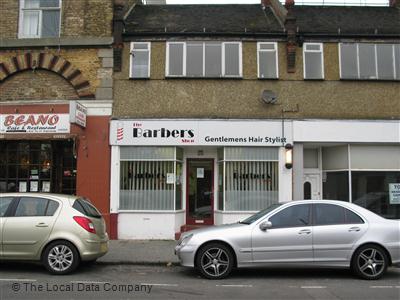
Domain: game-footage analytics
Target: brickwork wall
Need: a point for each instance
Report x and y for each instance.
(34, 85)
(78, 18)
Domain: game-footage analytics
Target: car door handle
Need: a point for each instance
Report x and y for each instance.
(354, 229)
(42, 225)
(305, 231)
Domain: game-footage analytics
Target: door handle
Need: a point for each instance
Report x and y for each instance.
(305, 231)
(354, 229)
(42, 225)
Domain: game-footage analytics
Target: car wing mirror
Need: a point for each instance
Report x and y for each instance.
(265, 225)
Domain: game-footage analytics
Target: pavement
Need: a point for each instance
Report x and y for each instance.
(140, 252)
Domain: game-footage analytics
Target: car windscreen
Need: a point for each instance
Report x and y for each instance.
(83, 206)
(260, 214)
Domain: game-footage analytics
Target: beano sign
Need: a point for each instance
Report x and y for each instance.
(34, 123)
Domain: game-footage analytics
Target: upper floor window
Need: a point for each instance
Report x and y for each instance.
(369, 61)
(313, 61)
(267, 60)
(39, 18)
(204, 59)
(140, 60)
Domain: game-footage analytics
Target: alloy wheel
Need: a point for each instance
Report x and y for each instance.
(215, 262)
(60, 258)
(371, 262)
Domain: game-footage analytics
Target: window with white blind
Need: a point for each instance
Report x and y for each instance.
(367, 61)
(39, 18)
(150, 178)
(140, 60)
(250, 178)
(313, 61)
(204, 59)
(267, 59)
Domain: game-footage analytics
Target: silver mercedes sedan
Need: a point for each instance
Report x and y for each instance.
(308, 233)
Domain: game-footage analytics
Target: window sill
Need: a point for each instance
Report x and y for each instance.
(373, 80)
(204, 78)
(139, 78)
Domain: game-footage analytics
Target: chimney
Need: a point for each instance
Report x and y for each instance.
(277, 8)
(394, 3)
(290, 3)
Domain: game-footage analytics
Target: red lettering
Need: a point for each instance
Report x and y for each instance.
(20, 120)
(30, 120)
(9, 121)
(53, 120)
(42, 119)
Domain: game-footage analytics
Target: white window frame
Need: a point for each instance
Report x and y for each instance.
(132, 49)
(223, 75)
(376, 63)
(321, 45)
(267, 50)
(40, 10)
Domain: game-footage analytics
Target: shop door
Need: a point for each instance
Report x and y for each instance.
(200, 192)
(311, 187)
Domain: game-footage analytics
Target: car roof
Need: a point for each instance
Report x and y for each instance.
(61, 197)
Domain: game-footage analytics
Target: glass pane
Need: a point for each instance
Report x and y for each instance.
(336, 186)
(178, 180)
(294, 216)
(313, 65)
(51, 208)
(251, 153)
(397, 60)
(4, 203)
(366, 53)
(328, 214)
(141, 153)
(307, 190)
(31, 23)
(232, 60)
(348, 59)
(385, 61)
(140, 46)
(28, 207)
(313, 47)
(251, 185)
(194, 59)
(221, 186)
(32, 4)
(352, 218)
(371, 190)
(140, 64)
(175, 59)
(49, 3)
(267, 64)
(267, 46)
(50, 23)
(147, 185)
(213, 60)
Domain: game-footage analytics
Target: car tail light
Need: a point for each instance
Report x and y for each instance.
(85, 223)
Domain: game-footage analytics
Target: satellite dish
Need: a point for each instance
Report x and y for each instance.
(269, 97)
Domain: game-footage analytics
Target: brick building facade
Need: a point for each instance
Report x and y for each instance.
(56, 57)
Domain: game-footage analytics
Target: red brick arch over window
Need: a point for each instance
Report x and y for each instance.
(47, 61)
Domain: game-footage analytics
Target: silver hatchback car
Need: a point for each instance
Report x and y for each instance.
(58, 230)
(307, 233)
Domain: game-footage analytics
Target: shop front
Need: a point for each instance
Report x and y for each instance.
(56, 147)
(168, 175)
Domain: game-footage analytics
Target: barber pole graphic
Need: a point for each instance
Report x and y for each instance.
(120, 132)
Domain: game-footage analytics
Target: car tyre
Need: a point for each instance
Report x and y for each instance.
(215, 261)
(60, 258)
(370, 262)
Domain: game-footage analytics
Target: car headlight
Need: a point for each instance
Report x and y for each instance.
(185, 240)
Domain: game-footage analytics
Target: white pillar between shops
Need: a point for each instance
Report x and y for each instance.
(115, 178)
(298, 187)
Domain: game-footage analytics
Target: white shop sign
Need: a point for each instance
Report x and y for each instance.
(199, 133)
(77, 113)
(394, 193)
(34, 123)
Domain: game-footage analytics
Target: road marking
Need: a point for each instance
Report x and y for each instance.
(313, 287)
(160, 284)
(234, 285)
(17, 279)
(96, 282)
(381, 286)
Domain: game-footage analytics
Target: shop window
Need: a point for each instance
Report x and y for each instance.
(372, 191)
(336, 185)
(39, 18)
(313, 61)
(204, 59)
(267, 60)
(251, 178)
(366, 61)
(140, 60)
(149, 183)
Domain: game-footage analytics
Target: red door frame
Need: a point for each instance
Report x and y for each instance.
(190, 220)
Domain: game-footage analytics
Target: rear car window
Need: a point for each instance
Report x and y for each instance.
(34, 207)
(4, 203)
(84, 207)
